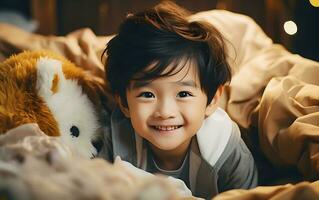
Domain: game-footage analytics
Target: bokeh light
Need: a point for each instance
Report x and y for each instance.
(290, 27)
(314, 3)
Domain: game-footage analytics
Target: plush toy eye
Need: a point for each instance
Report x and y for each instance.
(75, 132)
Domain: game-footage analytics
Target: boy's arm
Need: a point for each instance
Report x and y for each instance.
(134, 173)
(236, 167)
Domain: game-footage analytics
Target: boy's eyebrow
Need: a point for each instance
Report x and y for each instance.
(139, 84)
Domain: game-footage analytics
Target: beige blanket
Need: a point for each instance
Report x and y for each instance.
(273, 96)
(82, 47)
(36, 166)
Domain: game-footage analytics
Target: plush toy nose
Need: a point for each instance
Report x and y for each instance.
(97, 144)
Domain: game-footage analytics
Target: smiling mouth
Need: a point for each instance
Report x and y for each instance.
(166, 128)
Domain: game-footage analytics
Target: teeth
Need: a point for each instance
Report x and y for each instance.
(166, 128)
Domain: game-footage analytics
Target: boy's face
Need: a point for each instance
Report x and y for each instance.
(169, 110)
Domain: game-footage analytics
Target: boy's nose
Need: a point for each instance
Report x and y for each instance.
(165, 109)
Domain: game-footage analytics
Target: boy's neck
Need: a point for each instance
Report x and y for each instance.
(170, 159)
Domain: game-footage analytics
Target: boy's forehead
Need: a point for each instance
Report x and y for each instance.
(181, 71)
(186, 76)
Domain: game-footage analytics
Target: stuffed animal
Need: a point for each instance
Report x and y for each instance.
(65, 101)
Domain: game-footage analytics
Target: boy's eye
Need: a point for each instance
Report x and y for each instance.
(184, 94)
(146, 95)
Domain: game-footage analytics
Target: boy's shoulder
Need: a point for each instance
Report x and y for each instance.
(215, 134)
(221, 146)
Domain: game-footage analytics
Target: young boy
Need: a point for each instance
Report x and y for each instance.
(167, 74)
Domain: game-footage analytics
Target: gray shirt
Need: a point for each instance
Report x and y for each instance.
(180, 173)
(218, 159)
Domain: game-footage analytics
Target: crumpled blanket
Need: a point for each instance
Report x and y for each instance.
(303, 190)
(82, 46)
(273, 95)
(36, 166)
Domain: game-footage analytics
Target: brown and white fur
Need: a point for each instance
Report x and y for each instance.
(44, 88)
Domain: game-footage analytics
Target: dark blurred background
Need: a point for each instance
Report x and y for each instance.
(59, 17)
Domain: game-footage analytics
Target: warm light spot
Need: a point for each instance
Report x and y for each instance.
(314, 3)
(290, 27)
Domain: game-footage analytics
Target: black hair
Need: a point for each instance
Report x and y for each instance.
(161, 36)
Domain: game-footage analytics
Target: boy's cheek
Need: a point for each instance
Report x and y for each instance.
(144, 109)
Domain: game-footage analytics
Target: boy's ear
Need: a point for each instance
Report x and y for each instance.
(124, 108)
(211, 107)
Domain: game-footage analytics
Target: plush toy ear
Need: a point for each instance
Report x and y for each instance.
(98, 92)
(49, 74)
